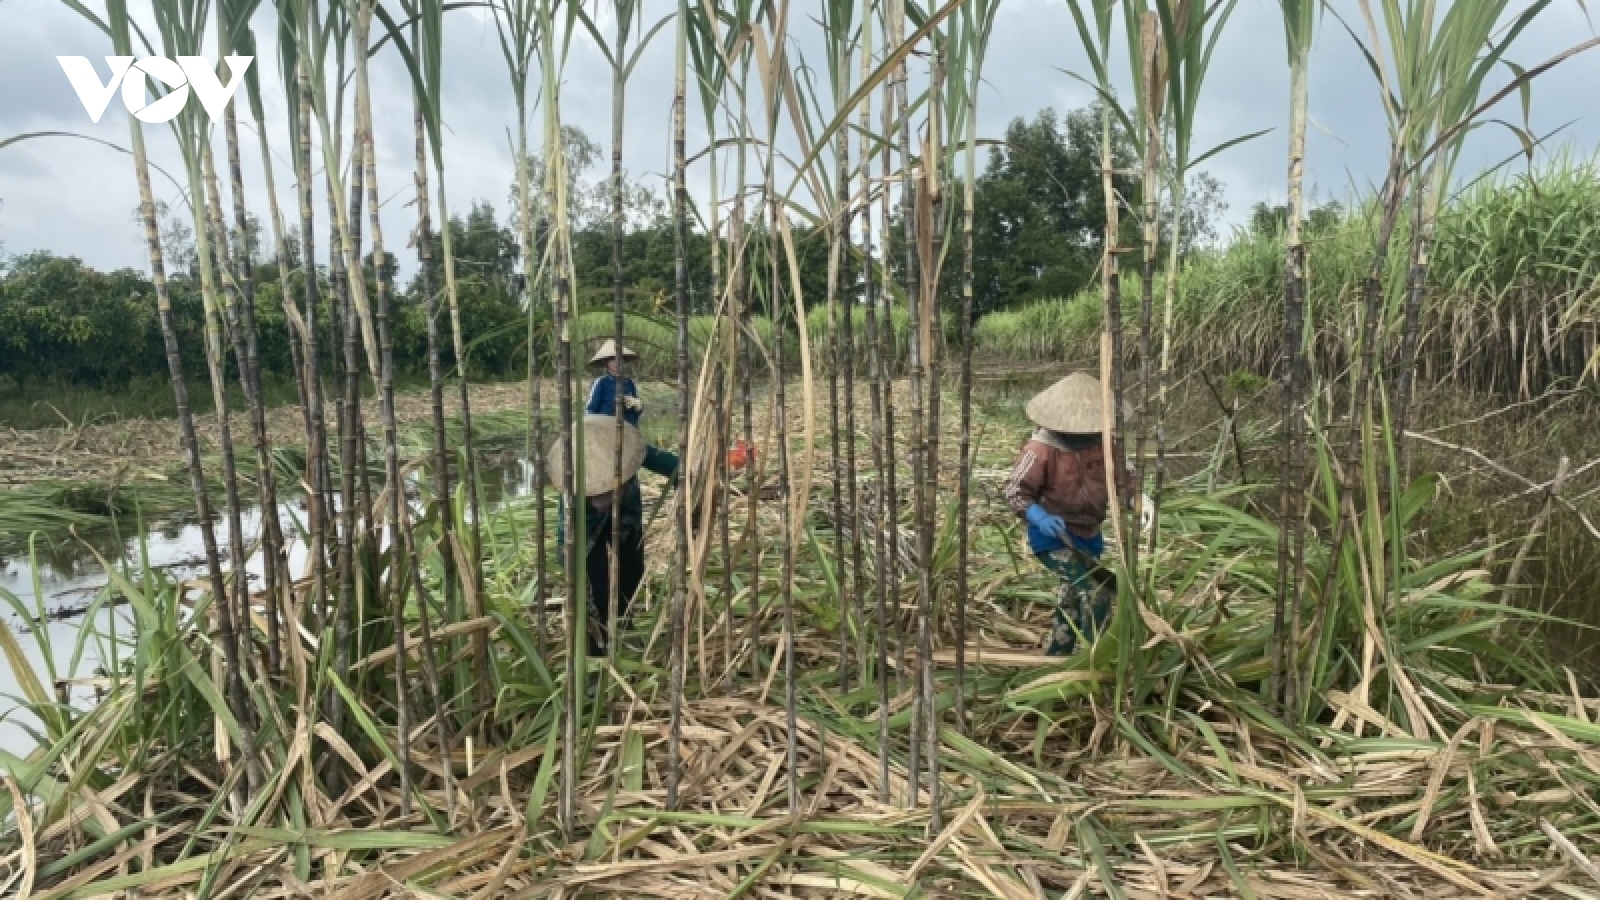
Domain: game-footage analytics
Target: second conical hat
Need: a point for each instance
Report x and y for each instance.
(608, 350)
(1072, 405)
(600, 455)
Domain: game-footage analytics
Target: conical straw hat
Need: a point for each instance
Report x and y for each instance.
(608, 350)
(600, 455)
(1072, 405)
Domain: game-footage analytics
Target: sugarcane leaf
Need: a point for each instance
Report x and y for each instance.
(594, 32)
(541, 781)
(1227, 145)
(364, 721)
(1088, 832)
(644, 42)
(1232, 868)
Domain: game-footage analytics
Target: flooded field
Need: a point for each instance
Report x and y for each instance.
(73, 617)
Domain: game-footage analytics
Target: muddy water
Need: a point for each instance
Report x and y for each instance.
(62, 576)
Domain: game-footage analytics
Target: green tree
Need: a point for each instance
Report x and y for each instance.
(1039, 217)
(1040, 210)
(1270, 219)
(62, 320)
(492, 323)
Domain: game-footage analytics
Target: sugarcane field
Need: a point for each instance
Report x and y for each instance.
(1131, 449)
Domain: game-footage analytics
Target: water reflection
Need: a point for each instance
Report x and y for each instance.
(61, 574)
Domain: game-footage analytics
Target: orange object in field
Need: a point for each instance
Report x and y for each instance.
(740, 456)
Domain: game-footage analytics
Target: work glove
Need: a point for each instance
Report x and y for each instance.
(1045, 521)
(630, 402)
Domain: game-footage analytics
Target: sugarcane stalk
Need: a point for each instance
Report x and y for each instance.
(964, 478)
(746, 365)
(723, 410)
(887, 365)
(624, 13)
(1151, 61)
(519, 48)
(920, 466)
(711, 93)
(234, 329)
(349, 461)
(277, 606)
(856, 582)
(1285, 679)
(317, 464)
(118, 22)
(930, 256)
(250, 362)
(785, 584)
(777, 309)
(230, 598)
(571, 443)
(877, 389)
(450, 576)
(395, 584)
(680, 561)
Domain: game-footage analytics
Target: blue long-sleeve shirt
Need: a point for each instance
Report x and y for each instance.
(603, 398)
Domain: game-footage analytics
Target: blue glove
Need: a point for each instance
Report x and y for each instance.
(1042, 519)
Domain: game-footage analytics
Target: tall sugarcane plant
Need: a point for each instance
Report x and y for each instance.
(555, 27)
(1299, 21)
(320, 36)
(233, 33)
(232, 712)
(681, 571)
(839, 32)
(517, 22)
(428, 73)
(621, 60)
(1431, 65)
(713, 50)
(1095, 33)
(1189, 33)
(971, 29)
(878, 391)
(182, 28)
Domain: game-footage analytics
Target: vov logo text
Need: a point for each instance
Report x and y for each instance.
(179, 76)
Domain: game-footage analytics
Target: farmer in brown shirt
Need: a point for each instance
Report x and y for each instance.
(1059, 487)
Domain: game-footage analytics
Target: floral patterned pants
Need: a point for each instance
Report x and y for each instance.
(1083, 607)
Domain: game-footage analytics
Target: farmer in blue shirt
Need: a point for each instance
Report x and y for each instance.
(600, 449)
(603, 393)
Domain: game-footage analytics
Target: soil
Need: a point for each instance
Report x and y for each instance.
(152, 448)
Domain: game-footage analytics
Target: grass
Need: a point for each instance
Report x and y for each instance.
(1046, 331)
(33, 404)
(1514, 288)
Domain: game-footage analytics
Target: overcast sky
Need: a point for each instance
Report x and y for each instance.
(77, 198)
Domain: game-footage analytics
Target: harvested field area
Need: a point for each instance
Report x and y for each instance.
(1421, 774)
(151, 449)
